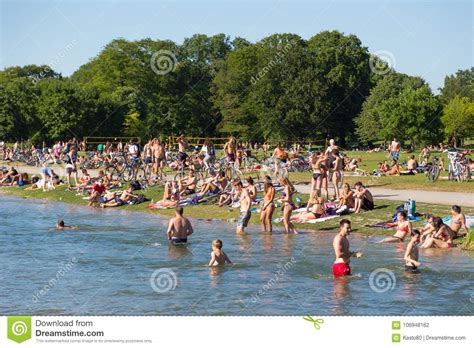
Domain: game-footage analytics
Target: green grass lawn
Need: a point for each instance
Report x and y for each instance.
(383, 212)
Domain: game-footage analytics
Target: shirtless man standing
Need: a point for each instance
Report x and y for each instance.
(245, 202)
(158, 157)
(182, 145)
(230, 150)
(395, 148)
(341, 249)
(179, 228)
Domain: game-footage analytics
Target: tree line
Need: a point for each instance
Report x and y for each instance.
(281, 88)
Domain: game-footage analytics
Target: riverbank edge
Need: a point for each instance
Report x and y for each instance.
(328, 226)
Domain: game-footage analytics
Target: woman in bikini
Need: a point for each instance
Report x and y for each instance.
(442, 238)
(337, 171)
(289, 206)
(315, 209)
(458, 220)
(346, 200)
(404, 227)
(251, 188)
(318, 164)
(268, 207)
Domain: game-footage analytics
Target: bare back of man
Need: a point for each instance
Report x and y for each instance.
(179, 228)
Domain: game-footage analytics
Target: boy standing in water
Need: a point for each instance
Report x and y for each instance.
(341, 249)
(411, 253)
(218, 257)
(245, 202)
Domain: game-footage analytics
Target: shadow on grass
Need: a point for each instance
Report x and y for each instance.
(380, 207)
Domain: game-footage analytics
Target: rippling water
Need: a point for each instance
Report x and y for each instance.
(106, 267)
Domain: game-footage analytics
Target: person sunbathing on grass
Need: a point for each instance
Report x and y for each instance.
(187, 186)
(215, 184)
(404, 227)
(124, 198)
(315, 210)
(9, 176)
(395, 170)
(346, 200)
(170, 196)
(363, 198)
(442, 238)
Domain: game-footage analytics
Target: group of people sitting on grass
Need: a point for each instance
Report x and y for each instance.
(435, 234)
(11, 177)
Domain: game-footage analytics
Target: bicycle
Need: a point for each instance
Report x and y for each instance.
(432, 174)
(457, 169)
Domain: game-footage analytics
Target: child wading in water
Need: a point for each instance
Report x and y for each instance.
(218, 257)
(411, 253)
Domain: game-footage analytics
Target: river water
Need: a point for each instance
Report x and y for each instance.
(120, 263)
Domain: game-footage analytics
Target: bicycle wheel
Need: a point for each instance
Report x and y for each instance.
(141, 174)
(127, 173)
(236, 174)
(179, 175)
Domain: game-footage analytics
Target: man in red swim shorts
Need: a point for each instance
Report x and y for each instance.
(341, 248)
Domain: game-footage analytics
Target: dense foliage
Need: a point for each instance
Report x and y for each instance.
(280, 88)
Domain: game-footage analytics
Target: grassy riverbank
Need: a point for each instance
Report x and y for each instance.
(207, 211)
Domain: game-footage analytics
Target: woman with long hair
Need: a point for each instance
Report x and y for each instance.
(268, 207)
(289, 206)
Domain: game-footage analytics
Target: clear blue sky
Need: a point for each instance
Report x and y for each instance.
(427, 38)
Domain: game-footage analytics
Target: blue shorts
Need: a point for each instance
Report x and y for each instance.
(244, 218)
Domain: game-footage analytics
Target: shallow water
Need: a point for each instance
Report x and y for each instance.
(106, 267)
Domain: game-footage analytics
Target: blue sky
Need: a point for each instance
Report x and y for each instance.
(426, 38)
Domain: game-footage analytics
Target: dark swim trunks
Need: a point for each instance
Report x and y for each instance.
(411, 268)
(367, 205)
(178, 241)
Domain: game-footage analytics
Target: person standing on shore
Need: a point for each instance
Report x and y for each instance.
(341, 246)
(179, 228)
(395, 149)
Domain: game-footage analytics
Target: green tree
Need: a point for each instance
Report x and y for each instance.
(458, 119)
(412, 116)
(368, 122)
(460, 84)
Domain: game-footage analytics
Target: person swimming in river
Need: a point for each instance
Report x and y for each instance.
(404, 227)
(411, 252)
(60, 225)
(179, 228)
(218, 257)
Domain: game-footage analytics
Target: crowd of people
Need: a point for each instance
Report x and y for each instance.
(326, 166)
